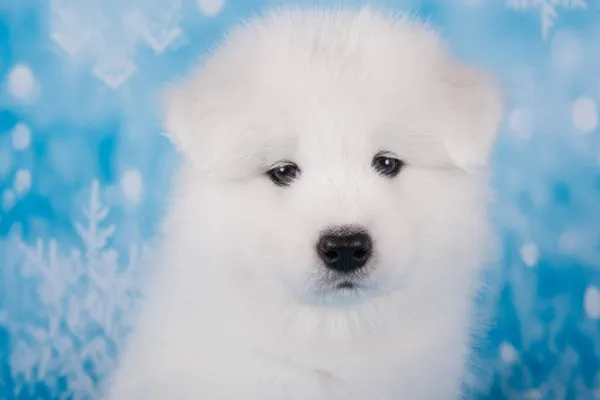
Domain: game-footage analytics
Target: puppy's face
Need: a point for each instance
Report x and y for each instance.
(335, 167)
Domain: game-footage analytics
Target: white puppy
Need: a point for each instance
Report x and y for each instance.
(329, 223)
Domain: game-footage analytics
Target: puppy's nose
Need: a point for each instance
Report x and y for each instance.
(345, 249)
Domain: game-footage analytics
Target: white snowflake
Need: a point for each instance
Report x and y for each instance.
(86, 300)
(158, 33)
(211, 7)
(114, 71)
(22, 83)
(21, 137)
(508, 353)
(591, 302)
(64, 23)
(132, 185)
(547, 9)
(564, 363)
(107, 33)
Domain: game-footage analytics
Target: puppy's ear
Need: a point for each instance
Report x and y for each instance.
(474, 103)
(176, 104)
(188, 116)
(218, 135)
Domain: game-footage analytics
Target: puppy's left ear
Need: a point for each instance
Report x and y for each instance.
(474, 104)
(175, 103)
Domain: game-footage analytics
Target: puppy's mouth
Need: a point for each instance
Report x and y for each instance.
(341, 289)
(346, 285)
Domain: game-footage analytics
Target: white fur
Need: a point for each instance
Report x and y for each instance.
(235, 313)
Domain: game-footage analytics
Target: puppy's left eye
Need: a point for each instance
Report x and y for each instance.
(283, 173)
(387, 165)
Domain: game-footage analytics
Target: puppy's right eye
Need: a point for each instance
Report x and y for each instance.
(283, 173)
(387, 165)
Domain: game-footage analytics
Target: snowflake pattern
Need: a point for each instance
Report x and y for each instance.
(79, 141)
(547, 9)
(85, 297)
(110, 40)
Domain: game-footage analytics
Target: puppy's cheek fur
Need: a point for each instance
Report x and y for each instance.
(267, 241)
(445, 217)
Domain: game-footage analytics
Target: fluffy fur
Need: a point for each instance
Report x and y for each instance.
(242, 308)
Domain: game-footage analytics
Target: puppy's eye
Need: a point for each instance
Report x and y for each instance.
(283, 173)
(387, 165)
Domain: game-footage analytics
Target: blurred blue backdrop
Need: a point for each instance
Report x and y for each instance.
(84, 174)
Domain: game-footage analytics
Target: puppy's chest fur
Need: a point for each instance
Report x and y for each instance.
(216, 352)
(377, 368)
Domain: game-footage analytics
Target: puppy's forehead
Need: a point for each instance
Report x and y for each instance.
(333, 76)
(311, 56)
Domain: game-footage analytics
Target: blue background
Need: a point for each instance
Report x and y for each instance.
(84, 174)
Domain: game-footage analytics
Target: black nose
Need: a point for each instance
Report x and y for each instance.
(345, 249)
